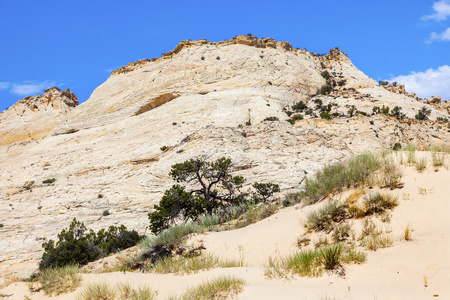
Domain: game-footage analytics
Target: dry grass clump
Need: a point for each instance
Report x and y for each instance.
(222, 287)
(377, 202)
(421, 164)
(312, 262)
(335, 177)
(324, 218)
(188, 265)
(390, 175)
(59, 280)
(373, 238)
(438, 160)
(102, 291)
(407, 233)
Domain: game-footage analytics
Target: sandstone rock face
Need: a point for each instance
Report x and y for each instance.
(32, 118)
(201, 99)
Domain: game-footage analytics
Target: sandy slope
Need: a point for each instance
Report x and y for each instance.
(393, 273)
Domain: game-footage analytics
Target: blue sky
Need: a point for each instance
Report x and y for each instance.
(76, 44)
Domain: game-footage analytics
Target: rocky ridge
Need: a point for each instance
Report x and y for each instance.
(202, 98)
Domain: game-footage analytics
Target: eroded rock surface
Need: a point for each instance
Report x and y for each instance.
(201, 99)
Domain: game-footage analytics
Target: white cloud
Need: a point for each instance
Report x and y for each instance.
(441, 11)
(4, 85)
(31, 88)
(429, 83)
(444, 36)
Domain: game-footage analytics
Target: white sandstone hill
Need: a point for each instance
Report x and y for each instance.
(201, 99)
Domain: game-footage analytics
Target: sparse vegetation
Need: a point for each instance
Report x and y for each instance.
(423, 113)
(356, 171)
(97, 291)
(325, 89)
(211, 187)
(164, 148)
(407, 233)
(220, 288)
(312, 263)
(421, 164)
(192, 264)
(49, 180)
(55, 281)
(76, 245)
(294, 118)
(299, 106)
(324, 218)
(271, 119)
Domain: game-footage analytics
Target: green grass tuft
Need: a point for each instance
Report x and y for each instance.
(59, 280)
(222, 287)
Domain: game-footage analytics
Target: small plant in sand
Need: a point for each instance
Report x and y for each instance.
(438, 160)
(373, 238)
(407, 233)
(220, 288)
(324, 218)
(390, 175)
(59, 280)
(103, 291)
(312, 262)
(377, 202)
(421, 164)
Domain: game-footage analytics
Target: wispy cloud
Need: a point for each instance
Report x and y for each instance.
(31, 88)
(4, 85)
(441, 11)
(444, 36)
(428, 83)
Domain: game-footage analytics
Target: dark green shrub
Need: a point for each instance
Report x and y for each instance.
(383, 82)
(271, 119)
(397, 146)
(295, 118)
(299, 106)
(49, 180)
(397, 113)
(78, 246)
(164, 148)
(325, 75)
(326, 89)
(385, 110)
(264, 191)
(442, 119)
(325, 115)
(248, 123)
(423, 114)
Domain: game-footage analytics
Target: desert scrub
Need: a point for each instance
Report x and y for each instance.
(168, 240)
(59, 280)
(373, 238)
(220, 288)
(312, 262)
(437, 159)
(324, 218)
(97, 291)
(421, 164)
(377, 202)
(125, 291)
(187, 265)
(77, 245)
(390, 175)
(49, 180)
(356, 171)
